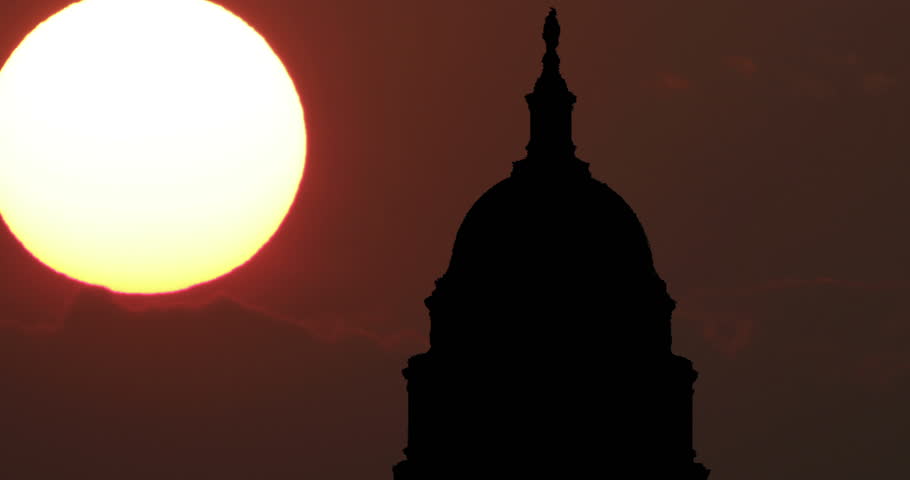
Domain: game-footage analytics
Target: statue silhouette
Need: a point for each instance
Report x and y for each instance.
(550, 330)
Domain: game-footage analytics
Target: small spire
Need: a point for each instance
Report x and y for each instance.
(551, 37)
(550, 78)
(551, 105)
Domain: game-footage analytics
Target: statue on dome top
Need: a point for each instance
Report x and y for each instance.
(551, 30)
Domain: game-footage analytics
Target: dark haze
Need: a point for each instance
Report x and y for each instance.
(763, 146)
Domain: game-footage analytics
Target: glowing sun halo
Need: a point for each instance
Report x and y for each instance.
(147, 145)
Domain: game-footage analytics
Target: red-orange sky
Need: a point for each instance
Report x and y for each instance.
(763, 145)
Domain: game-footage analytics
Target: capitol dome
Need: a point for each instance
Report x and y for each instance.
(550, 341)
(549, 221)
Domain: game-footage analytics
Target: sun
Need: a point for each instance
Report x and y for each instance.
(147, 146)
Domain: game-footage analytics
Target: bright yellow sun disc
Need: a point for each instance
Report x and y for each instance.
(147, 145)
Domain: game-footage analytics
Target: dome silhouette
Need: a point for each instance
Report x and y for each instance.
(535, 227)
(550, 330)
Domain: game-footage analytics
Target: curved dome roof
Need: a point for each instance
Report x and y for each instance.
(548, 243)
(554, 220)
(550, 216)
(544, 247)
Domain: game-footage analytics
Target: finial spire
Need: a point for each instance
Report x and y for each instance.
(550, 73)
(551, 37)
(551, 105)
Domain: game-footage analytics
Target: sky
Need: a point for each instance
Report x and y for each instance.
(763, 146)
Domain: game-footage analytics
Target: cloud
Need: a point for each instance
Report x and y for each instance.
(727, 332)
(806, 85)
(789, 362)
(741, 64)
(843, 326)
(674, 81)
(217, 391)
(878, 83)
(729, 328)
(846, 59)
(800, 283)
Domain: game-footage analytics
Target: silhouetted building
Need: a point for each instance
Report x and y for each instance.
(550, 331)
